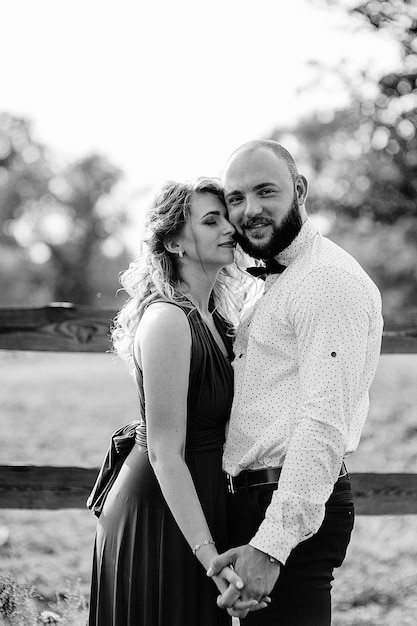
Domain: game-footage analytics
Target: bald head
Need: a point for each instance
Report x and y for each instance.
(250, 147)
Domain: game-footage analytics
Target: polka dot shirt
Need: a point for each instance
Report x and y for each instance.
(305, 357)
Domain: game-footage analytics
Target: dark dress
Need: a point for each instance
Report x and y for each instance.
(144, 573)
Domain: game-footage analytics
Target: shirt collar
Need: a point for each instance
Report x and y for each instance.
(306, 234)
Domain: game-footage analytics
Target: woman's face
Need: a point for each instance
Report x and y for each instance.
(207, 238)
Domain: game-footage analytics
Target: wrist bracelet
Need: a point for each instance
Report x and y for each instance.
(206, 542)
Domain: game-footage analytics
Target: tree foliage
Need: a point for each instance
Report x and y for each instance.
(24, 170)
(392, 115)
(54, 220)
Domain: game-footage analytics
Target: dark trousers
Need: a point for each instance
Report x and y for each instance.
(301, 596)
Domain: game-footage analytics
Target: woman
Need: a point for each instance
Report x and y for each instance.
(164, 517)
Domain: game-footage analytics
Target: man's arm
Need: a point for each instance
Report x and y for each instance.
(331, 314)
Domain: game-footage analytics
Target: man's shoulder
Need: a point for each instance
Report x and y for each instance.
(329, 257)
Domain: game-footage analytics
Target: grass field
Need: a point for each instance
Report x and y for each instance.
(60, 409)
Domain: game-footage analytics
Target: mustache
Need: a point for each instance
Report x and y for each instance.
(256, 221)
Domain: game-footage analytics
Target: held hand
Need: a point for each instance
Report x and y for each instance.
(230, 586)
(254, 568)
(228, 583)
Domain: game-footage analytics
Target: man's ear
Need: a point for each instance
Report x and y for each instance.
(301, 188)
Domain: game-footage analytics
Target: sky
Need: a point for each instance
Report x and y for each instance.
(167, 89)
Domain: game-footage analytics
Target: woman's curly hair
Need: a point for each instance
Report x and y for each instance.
(155, 274)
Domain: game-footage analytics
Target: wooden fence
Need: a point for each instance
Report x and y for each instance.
(67, 328)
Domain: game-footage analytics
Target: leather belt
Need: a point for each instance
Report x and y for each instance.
(253, 478)
(258, 478)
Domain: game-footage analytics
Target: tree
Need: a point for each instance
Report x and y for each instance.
(366, 154)
(74, 204)
(393, 114)
(24, 171)
(55, 220)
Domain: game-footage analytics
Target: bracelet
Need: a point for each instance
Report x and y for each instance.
(206, 542)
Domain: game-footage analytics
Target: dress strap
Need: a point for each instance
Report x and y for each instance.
(183, 307)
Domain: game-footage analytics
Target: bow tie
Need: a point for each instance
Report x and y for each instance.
(271, 267)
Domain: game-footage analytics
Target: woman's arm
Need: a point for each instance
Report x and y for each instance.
(163, 344)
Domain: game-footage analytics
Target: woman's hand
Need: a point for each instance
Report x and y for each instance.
(230, 586)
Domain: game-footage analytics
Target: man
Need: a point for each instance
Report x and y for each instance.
(304, 361)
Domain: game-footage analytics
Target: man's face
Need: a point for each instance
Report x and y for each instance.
(262, 203)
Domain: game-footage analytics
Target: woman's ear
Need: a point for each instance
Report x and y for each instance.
(174, 247)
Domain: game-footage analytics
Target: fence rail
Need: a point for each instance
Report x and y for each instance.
(64, 327)
(50, 487)
(57, 327)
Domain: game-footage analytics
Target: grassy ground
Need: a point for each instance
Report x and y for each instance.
(61, 409)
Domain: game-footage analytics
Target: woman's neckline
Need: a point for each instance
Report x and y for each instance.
(215, 317)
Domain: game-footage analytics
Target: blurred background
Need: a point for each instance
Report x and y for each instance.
(100, 102)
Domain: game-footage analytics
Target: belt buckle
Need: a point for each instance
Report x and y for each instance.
(230, 485)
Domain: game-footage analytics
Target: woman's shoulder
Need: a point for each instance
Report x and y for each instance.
(162, 330)
(166, 310)
(162, 321)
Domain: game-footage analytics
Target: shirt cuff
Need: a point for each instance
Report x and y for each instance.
(275, 541)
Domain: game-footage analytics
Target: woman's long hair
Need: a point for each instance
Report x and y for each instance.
(155, 274)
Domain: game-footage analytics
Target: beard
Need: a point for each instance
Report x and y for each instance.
(281, 237)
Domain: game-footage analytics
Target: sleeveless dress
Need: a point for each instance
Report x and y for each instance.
(144, 573)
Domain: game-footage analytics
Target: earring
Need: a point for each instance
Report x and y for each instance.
(181, 253)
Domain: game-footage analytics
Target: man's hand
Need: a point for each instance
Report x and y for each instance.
(254, 568)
